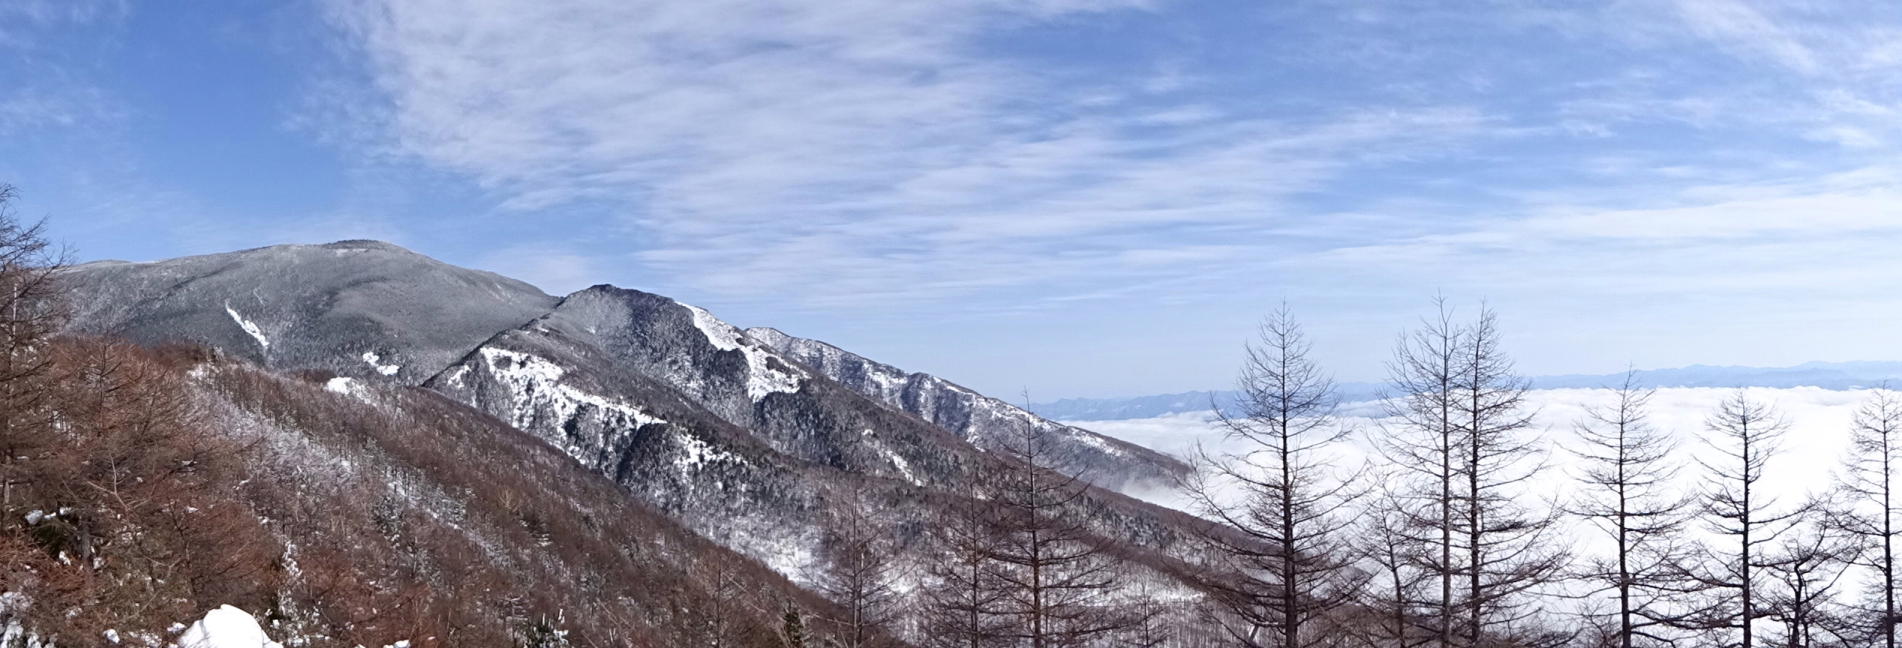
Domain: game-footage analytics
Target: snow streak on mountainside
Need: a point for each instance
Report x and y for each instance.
(984, 421)
(749, 385)
(666, 450)
(765, 374)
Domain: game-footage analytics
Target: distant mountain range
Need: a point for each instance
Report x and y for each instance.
(1826, 375)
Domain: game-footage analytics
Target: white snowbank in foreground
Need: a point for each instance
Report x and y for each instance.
(226, 627)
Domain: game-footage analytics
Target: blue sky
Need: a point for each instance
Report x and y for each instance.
(1080, 198)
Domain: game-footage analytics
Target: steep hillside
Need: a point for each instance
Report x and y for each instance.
(983, 421)
(750, 385)
(740, 443)
(662, 448)
(343, 513)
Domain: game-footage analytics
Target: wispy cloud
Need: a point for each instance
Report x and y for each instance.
(934, 160)
(851, 152)
(848, 152)
(45, 87)
(1735, 24)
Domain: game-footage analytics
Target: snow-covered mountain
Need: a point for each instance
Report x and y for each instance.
(356, 308)
(743, 437)
(981, 420)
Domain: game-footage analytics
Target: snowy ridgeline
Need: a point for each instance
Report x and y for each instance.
(1805, 465)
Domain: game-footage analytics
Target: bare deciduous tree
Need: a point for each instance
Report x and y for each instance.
(1510, 552)
(963, 598)
(1869, 502)
(1461, 433)
(1392, 597)
(1149, 622)
(859, 571)
(1808, 567)
(1055, 576)
(1424, 442)
(1743, 435)
(30, 312)
(1278, 496)
(1627, 475)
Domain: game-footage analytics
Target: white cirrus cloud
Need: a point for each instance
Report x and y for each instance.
(850, 152)
(855, 153)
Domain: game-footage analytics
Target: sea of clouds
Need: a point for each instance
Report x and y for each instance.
(1810, 455)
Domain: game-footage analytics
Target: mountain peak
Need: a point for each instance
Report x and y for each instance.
(359, 308)
(367, 244)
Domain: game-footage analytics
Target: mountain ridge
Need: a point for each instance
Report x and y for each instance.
(982, 420)
(737, 440)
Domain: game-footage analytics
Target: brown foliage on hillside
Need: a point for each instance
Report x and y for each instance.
(165, 483)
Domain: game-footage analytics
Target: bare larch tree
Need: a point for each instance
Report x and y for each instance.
(30, 313)
(858, 570)
(1390, 618)
(1743, 436)
(963, 599)
(1055, 576)
(1277, 493)
(1626, 477)
(1510, 546)
(1867, 502)
(1424, 441)
(1809, 567)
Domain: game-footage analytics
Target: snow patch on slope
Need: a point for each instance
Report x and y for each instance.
(375, 361)
(766, 372)
(891, 385)
(537, 384)
(794, 561)
(898, 461)
(1096, 441)
(347, 387)
(256, 332)
(699, 453)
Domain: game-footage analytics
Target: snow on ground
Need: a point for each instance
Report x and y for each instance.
(898, 462)
(375, 360)
(539, 387)
(762, 377)
(226, 627)
(254, 330)
(348, 387)
(698, 453)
